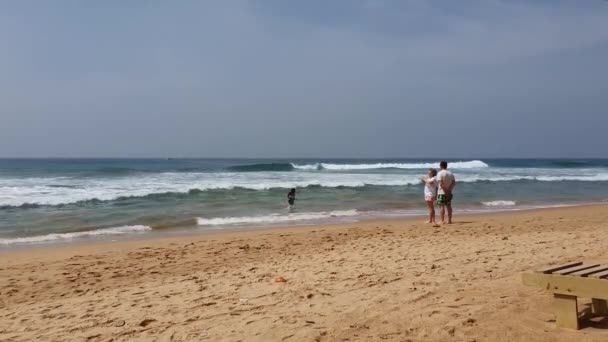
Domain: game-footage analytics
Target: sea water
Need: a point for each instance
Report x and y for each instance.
(46, 200)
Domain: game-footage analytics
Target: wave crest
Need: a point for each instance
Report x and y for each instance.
(28, 194)
(499, 203)
(261, 167)
(74, 235)
(472, 164)
(275, 218)
(269, 167)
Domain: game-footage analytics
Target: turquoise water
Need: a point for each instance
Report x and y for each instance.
(45, 200)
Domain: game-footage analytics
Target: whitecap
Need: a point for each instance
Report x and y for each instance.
(373, 166)
(275, 218)
(74, 235)
(33, 192)
(499, 203)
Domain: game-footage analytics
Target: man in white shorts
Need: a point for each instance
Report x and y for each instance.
(446, 182)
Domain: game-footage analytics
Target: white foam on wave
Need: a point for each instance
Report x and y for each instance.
(15, 192)
(601, 177)
(343, 167)
(275, 218)
(307, 167)
(74, 235)
(499, 203)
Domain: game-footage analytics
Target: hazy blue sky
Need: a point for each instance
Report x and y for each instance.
(278, 78)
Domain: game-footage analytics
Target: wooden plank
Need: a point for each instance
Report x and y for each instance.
(600, 275)
(573, 286)
(600, 307)
(589, 271)
(575, 269)
(554, 268)
(566, 311)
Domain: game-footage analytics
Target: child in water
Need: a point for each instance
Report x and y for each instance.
(291, 197)
(430, 193)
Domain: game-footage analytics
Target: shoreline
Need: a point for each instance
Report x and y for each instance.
(391, 279)
(194, 231)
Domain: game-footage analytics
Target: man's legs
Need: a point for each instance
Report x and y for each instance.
(449, 214)
(442, 213)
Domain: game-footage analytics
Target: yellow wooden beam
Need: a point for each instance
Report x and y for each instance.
(568, 285)
(566, 311)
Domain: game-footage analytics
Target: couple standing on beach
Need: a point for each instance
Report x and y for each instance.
(438, 187)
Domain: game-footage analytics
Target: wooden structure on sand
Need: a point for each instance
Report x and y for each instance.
(569, 281)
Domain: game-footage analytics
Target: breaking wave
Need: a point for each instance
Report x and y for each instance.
(345, 167)
(34, 193)
(261, 167)
(375, 166)
(499, 203)
(74, 235)
(275, 218)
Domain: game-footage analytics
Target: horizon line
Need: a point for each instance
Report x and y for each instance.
(296, 157)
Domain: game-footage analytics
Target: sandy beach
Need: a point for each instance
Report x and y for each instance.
(384, 280)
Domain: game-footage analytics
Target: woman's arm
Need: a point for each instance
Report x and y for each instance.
(427, 180)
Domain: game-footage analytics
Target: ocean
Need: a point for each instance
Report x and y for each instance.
(63, 200)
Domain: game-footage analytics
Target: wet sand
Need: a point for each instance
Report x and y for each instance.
(383, 280)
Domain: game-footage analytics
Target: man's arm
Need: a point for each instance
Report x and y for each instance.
(443, 184)
(453, 185)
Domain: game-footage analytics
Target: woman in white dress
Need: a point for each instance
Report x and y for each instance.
(430, 193)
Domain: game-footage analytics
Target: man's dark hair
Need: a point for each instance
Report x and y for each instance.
(443, 164)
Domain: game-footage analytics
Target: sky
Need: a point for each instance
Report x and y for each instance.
(314, 78)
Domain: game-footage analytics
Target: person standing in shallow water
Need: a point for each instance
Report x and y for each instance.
(291, 197)
(446, 182)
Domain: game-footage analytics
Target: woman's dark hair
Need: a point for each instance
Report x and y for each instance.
(292, 190)
(433, 172)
